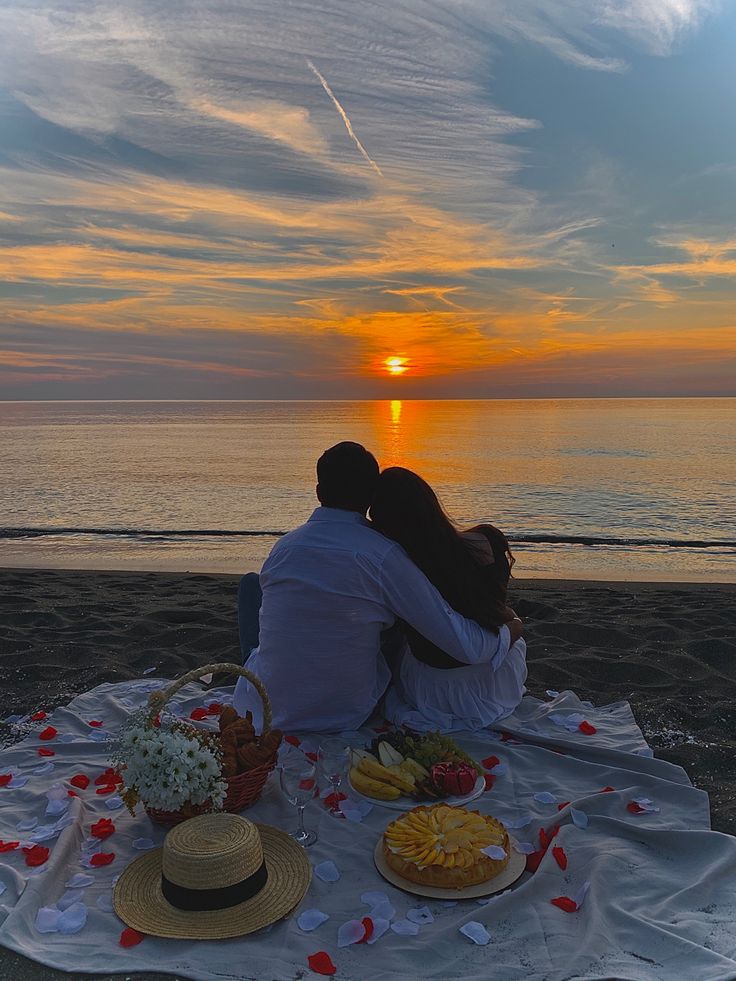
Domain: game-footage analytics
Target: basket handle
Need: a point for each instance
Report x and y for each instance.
(158, 699)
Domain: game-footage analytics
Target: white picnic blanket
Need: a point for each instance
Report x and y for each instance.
(661, 902)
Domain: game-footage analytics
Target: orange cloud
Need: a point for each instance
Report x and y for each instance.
(390, 233)
(438, 342)
(434, 292)
(705, 260)
(278, 121)
(101, 365)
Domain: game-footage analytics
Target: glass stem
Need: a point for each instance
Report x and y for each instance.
(301, 831)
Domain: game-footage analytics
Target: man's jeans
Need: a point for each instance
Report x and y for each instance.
(249, 606)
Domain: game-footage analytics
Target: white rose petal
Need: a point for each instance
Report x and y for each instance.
(310, 919)
(476, 932)
(327, 871)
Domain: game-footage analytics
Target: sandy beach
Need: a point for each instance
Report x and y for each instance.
(670, 649)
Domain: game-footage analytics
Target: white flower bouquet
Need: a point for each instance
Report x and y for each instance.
(170, 767)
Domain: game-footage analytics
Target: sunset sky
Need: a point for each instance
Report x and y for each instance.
(406, 198)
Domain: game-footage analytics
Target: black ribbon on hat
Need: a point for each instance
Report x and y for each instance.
(200, 900)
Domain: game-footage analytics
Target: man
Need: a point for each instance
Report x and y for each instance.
(329, 590)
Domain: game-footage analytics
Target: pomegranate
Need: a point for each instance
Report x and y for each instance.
(454, 779)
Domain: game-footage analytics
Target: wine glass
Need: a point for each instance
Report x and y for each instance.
(333, 758)
(298, 782)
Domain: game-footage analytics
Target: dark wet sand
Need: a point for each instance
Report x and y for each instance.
(670, 649)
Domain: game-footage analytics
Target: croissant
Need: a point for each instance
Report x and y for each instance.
(271, 740)
(253, 755)
(243, 731)
(228, 741)
(249, 756)
(227, 716)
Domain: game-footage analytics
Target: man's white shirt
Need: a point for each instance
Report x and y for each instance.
(329, 589)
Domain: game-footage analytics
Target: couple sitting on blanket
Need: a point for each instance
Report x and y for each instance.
(403, 608)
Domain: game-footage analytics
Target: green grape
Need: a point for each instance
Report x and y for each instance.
(433, 747)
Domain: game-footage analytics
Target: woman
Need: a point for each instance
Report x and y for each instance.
(471, 570)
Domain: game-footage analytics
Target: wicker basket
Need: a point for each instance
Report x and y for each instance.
(243, 789)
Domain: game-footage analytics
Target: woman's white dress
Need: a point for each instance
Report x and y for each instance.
(427, 699)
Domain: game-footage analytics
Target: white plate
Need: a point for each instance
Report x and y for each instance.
(407, 803)
(517, 864)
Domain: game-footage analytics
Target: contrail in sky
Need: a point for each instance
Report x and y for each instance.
(344, 116)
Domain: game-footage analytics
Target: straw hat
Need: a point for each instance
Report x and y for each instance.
(217, 876)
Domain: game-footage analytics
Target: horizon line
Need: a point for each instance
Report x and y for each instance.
(507, 398)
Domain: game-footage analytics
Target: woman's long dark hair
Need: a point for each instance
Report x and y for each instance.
(407, 510)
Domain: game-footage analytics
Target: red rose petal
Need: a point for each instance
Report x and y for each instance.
(545, 837)
(533, 860)
(8, 846)
(333, 800)
(5, 779)
(214, 708)
(368, 927)
(102, 858)
(198, 714)
(488, 780)
(108, 777)
(489, 762)
(80, 780)
(312, 756)
(130, 937)
(156, 723)
(38, 716)
(561, 807)
(48, 733)
(293, 741)
(587, 729)
(307, 784)
(109, 789)
(634, 808)
(607, 790)
(102, 829)
(95, 723)
(72, 793)
(321, 963)
(42, 751)
(36, 855)
(564, 902)
(560, 857)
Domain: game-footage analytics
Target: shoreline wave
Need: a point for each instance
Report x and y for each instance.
(14, 533)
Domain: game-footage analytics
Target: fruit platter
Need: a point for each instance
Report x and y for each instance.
(402, 769)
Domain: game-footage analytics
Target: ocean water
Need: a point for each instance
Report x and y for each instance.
(584, 488)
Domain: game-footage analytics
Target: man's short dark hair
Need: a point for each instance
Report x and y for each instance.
(347, 475)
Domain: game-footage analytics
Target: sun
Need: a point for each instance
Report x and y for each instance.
(396, 366)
